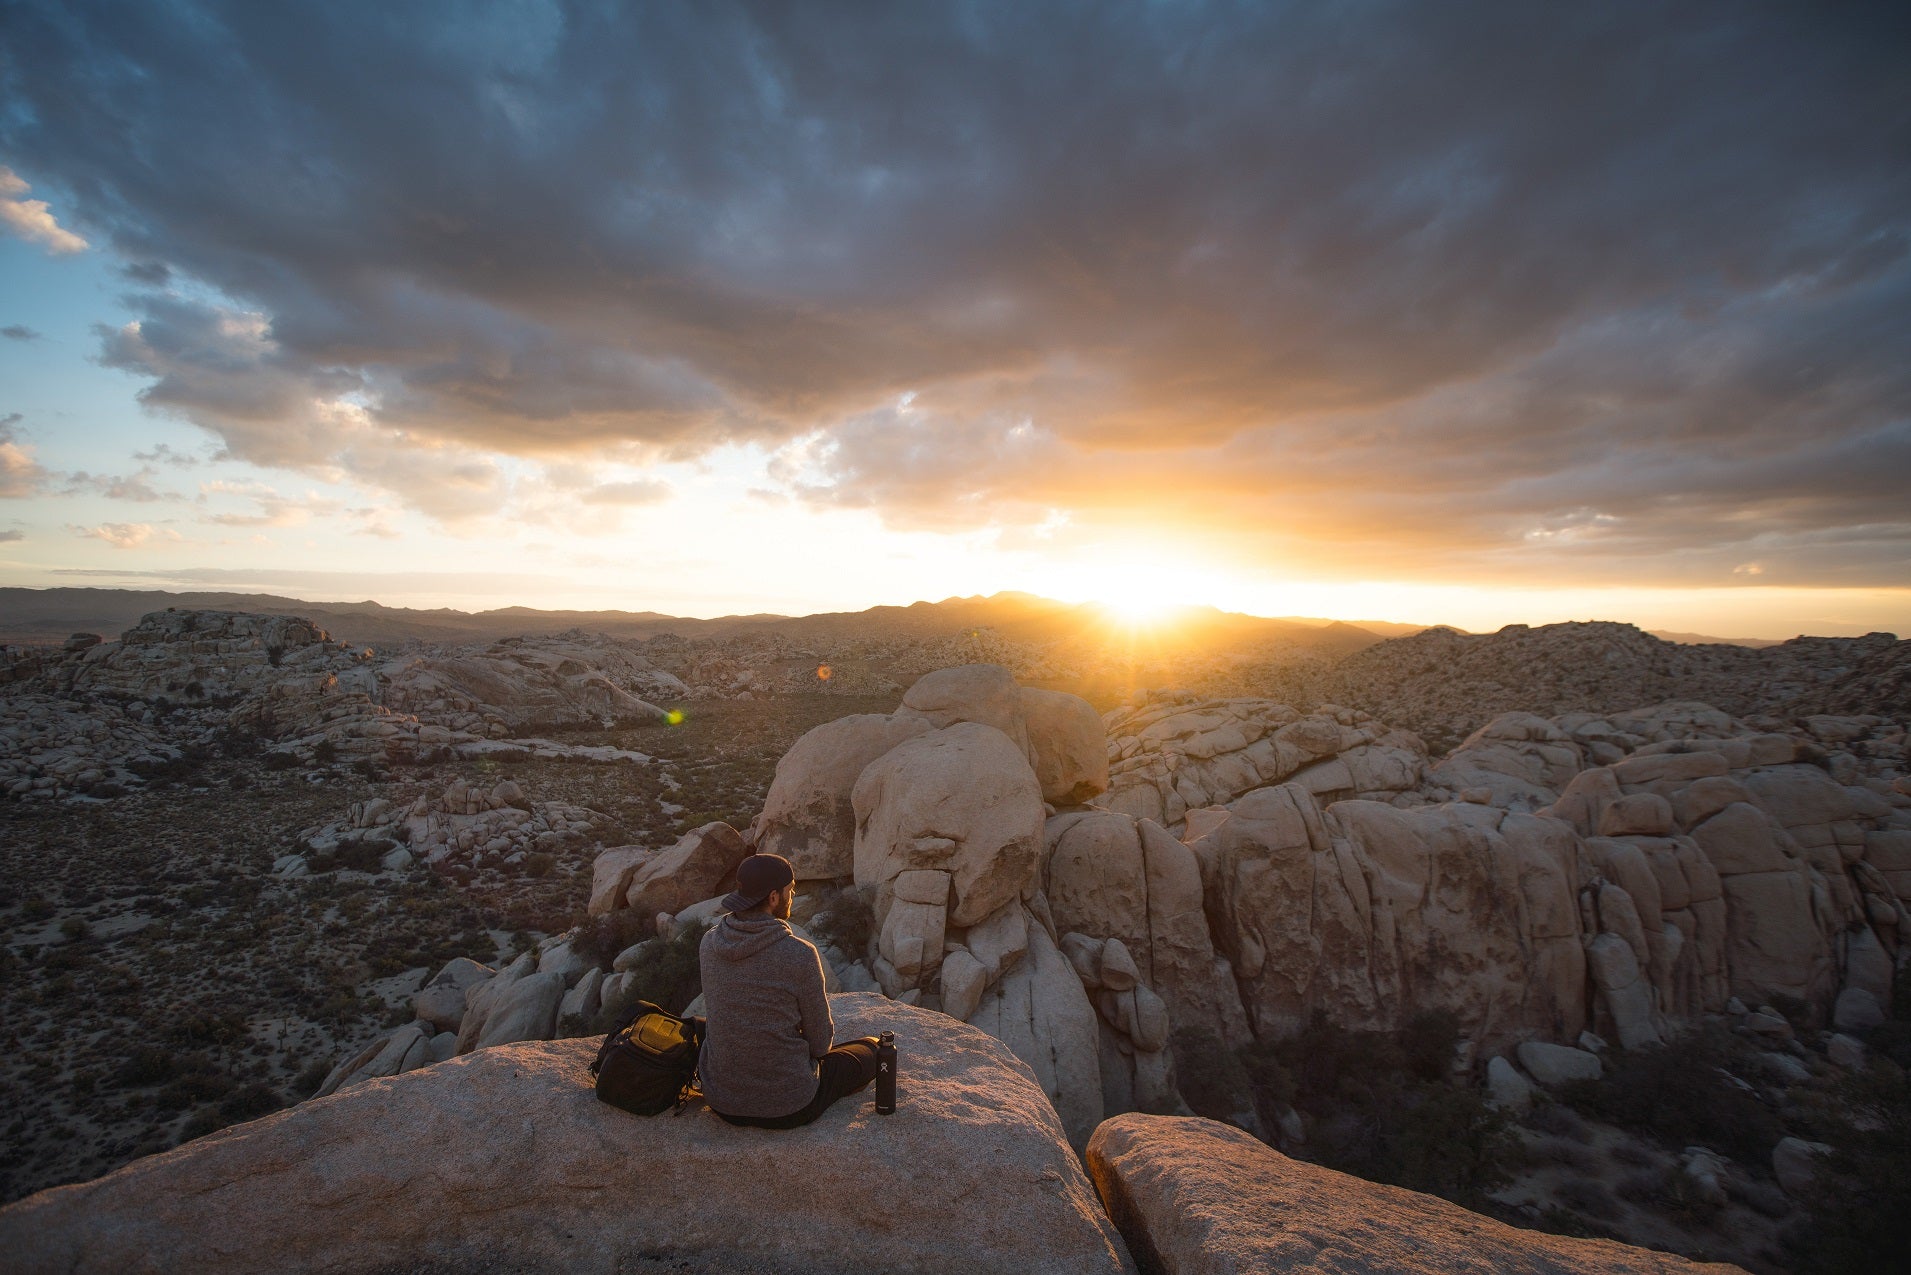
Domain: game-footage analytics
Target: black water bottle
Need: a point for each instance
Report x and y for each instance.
(886, 1073)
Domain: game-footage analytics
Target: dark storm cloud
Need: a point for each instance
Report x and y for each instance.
(1546, 287)
(153, 274)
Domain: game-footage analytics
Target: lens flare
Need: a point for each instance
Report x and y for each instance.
(822, 672)
(674, 717)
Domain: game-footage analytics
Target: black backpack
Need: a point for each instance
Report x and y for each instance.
(648, 1062)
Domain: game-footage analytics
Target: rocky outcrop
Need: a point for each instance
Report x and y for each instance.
(54, 746)
(701, 865)
(465, 825)
(505, 1159)
(187, 678)
(1068, 745)
(1626, 872)
(1193, 1197)
(984, 694)
(1126, 898)
(1173, 756)
(1371, 914)
(961, 801)
(522, 685)
(1445, 684)
(808, 816)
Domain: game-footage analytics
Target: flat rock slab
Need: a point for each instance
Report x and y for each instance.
(504, 1160)
(1195, 1197)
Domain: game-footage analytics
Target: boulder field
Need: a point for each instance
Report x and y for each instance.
(91, 718)
(1106, 895)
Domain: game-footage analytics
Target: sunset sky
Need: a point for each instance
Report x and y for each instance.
(1440, 312)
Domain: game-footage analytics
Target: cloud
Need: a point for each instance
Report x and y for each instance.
(1618, 291)
(12, 534)
(223, 369)
(373, 522)
(30, 218)
(127, 535)
(643, 492)
(337, 583)
(135, 487)
(269, 507)
(20, 475)
(19, 332)
(162, 454)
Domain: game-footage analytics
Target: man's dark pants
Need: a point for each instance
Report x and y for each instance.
(844, 1070)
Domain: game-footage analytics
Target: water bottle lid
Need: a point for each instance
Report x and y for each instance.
(887, 1038)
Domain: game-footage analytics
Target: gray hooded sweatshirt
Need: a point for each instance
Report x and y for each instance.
(768, 1017)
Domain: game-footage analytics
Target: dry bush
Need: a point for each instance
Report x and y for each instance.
(1643, 1186)
(600, 939)
(1681, 1094)
(1564, 1151)
(1632, 1154)
(843, 920)
(1560, 1121)
(667, 973)
(1384, 1105)
(1588, 1197)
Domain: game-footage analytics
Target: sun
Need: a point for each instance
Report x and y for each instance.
(1139, 610)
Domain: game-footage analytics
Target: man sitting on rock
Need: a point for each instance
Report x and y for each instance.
(766, 1057)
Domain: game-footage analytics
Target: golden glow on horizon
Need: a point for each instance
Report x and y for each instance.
(1140, 612)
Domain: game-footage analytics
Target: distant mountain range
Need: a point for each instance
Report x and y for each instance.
(49, 615)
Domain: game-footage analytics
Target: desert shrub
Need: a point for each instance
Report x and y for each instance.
(539, 865)
(666, 973)
(360, 855)
(599, 939)
(1643, 1186)
(237, 742)
(1559, 1121)
(205, 1027)
(1682, 1094)
(143, 1065)
(311, 1076)
(249, 1101)
(278, 759)
(74, 929)
(1892, 1039)
(1861, 1195)
(325, 752)
(843, 920)
(1384, 1105)
(199, 1083)
(203, 1121)
(1589, 1198)
(160, 771)
(1631, 1154)
(37, 910)
(1760, 1197)
(1210, 1075)
(1564, 1151)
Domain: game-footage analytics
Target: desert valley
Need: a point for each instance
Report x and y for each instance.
(1593, 932)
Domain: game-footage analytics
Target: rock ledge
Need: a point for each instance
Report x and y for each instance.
(504, 1159)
